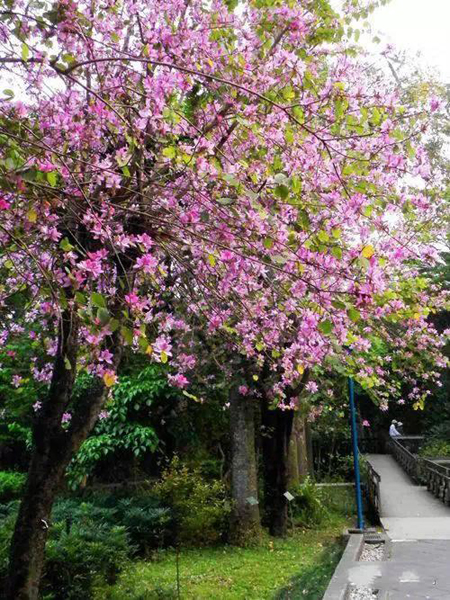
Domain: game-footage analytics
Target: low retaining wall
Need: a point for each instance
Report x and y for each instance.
(338, 587)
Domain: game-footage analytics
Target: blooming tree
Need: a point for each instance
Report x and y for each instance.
(235, 160)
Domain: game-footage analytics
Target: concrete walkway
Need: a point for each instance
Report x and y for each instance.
(416, 564)
(408, 511)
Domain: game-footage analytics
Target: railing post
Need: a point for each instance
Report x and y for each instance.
(359, 507)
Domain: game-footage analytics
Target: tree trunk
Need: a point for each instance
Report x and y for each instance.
(298, 451)
(276, 444)
(245, 522)
(309, 448)
(53, 448)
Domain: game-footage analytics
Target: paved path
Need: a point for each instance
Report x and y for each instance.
(408, 511)
(417, 554)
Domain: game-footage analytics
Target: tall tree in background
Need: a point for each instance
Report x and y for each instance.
(236, 160)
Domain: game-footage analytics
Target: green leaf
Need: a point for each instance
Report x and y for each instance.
(103, 316)
(323, 236)
(268, 243)
(225, 201)
(98, 300)
(336, 233)
(336, 252)
(289, 135)
(25, 52)
(65, 245)
(326, 327)
(9, 93)
(127, 335)
(298, 114)
(296, 185)
(67, 364)
(338, 304)
(113, 325)
(281, 191)
(79, 297)
(170, 152)
(353, 314)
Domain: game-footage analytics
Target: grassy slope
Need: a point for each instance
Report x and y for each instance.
(294, 565)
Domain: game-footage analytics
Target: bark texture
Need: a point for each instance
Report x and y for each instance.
(299, 462)
(245, 523)
(276, 446)
(53, 448)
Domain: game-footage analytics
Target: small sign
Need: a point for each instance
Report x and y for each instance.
(252, 501)
(289, 497)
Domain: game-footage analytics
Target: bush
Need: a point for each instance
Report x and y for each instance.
(8, 514)
(200, 506)
(435, 448)
(83, 550)
(11, 485)
(145, 520)
(85, 555)
(307, 507)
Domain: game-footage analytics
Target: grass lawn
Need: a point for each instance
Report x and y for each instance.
(299, 566)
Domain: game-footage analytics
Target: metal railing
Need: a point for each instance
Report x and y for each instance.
(437, 478)
(404, 449)
(372, 490)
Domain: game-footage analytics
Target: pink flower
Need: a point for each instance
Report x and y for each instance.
(105, 356)
(435, 103)
(17, 380)
(104, 414)
(146, 263)
(37, 406)
(365, 423)
(162, 344)
(178, 380)
(66, 417)
(312, 387)
(243, 390)
(4, 204)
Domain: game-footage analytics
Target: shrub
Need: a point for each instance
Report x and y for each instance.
(11, 485)
(200, 506)
(7, 519)
(145, 520)
(86, 554)
(307, 506)
(435, 448)
(83, 549)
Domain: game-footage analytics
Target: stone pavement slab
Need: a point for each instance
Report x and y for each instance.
(417, 528)
(410, 570)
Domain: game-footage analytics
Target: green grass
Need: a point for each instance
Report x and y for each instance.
(297, 567)
(230, 573)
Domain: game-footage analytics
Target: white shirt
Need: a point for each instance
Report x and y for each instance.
(393, 432)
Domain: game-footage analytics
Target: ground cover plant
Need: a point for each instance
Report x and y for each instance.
(228, 572)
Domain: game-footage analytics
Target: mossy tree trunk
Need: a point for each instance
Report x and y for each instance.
(299, 463)
(245, 521)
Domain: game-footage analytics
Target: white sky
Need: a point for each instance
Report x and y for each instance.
(417, 25)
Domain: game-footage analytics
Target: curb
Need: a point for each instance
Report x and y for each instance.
(337, 588)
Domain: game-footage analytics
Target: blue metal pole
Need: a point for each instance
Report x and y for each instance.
(359, 506)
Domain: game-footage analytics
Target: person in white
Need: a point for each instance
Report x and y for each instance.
(393, 431)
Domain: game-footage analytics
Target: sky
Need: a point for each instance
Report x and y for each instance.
(418, 25)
